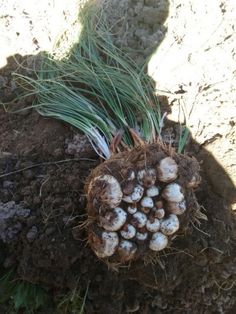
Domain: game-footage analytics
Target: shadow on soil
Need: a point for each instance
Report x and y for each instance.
(46, 246)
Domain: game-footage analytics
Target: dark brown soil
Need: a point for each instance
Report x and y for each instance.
(196, 275)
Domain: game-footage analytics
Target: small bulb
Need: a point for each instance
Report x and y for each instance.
(113, 220)
(135, 196)
(139, 220)
(153, 225)
(128, 231)
(141, 236)
(158, 242)
(177, 208)
(172, 193)
(152, 191)
(127, 250)
(108, 190)
(159, 213)
(167, 170)
(128, 188)
(147, 177)
(147, 202)
(132, 209)
(137, 193)
(170, 225)
(159, 204)
(108, 245)
(145, 210)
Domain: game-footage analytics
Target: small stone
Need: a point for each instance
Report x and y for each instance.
(23, 212)
(58, 152)
(32, 234)
(9, 261)
(8, 234)
(28, 174)
(31, 220)
(8, 184)
(50, 230)
(3, 81)
(7, 210)
(152, 16)
(133, 307)
(98, 278)
(68, 220)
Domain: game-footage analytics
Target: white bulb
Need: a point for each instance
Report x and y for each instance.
(167, 170)
(177, 208)
(139, 220)
(137, 193)
(152, 191)
(153, 225)
(132, 209)
(159, 213)
(128, 231)
(135, 196)
(147, 202)
(111, 194)
(114, 219)
(172, 193)
(158, 242)
(170, 225)
(110, 241)
(127, 250)
(147, 177)
(141, 236)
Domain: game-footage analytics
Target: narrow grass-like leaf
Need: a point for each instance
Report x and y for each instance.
(97, 88)
(184, 135)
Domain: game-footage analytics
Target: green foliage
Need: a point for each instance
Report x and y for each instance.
(31, 298)
(72, 302)
(184, 135)
(97, 88)
(22, 294)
